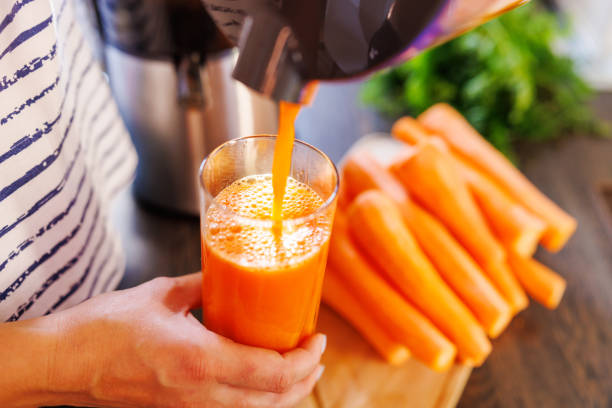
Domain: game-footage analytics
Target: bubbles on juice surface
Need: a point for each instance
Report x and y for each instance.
(253, 243)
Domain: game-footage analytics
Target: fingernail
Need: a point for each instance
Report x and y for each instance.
(321, 369)
(324, 345)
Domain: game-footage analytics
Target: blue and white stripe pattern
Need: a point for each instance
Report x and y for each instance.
(64, 153)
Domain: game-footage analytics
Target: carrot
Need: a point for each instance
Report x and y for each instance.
(434, 180)
(343, 198)
(402, 322)
(461, 272)
(362, 172)
(542, 284)
(338, 297)
(377, 225)
(409, 130)
(507, 284)
(518, 229)
(465, 140)
(412, 132)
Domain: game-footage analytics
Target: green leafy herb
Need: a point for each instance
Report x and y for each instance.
(504, 77)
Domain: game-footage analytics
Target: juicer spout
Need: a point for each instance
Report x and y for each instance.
(270, 61)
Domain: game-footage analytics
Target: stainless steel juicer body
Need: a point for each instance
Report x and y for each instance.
(170, 71)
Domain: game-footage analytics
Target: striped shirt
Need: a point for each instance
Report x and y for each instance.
(64, 153)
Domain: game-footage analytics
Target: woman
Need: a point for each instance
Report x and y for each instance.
(64, 154)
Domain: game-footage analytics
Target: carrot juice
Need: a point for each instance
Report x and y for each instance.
(265, 240)
(263, 288)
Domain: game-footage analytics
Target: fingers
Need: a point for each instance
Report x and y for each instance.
(190, 288)
(305, 358)
(181, 293)
(240, 397)
(265, 370)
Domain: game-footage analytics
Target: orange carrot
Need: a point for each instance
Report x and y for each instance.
(433, 178)
(362, 172)
(434, 181)
(518, 229)
(338, 297)
(542, 284)
(412, 132)
(508, 286)
(461, 272)
(409, 130)
(377, 225)
(343, 199)
(445, 121)
(402, 322)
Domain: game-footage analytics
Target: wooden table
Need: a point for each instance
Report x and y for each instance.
(545, 359)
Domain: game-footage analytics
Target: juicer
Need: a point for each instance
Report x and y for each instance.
(170, 64)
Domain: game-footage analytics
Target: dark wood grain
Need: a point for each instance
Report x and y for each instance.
(562, 358)
(559, 358)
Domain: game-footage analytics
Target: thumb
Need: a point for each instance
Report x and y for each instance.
(186, 292)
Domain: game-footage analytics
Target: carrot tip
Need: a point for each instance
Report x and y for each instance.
(498, 327)
(554, 241)
(527, 243)
(520, 304)
(443, 361)
(399, 356)
(555, 297)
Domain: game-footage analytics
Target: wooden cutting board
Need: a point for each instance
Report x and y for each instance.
(356, 377)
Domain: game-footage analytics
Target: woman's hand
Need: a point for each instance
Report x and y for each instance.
(142, 348)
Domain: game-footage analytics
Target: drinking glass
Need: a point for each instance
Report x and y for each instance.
(269, 297)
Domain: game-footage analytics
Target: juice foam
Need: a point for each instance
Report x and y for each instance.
(252, 241)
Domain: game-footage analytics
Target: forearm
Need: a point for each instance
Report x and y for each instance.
(28, 361)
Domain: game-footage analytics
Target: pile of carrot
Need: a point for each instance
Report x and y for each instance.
(432, 254)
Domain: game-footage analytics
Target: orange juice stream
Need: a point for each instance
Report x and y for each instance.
(282, 154)
(284, 145)
(262, 284)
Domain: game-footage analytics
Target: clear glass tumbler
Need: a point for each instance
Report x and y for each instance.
(262, 287)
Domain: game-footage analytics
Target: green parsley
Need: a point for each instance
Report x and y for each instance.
(504, 77)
